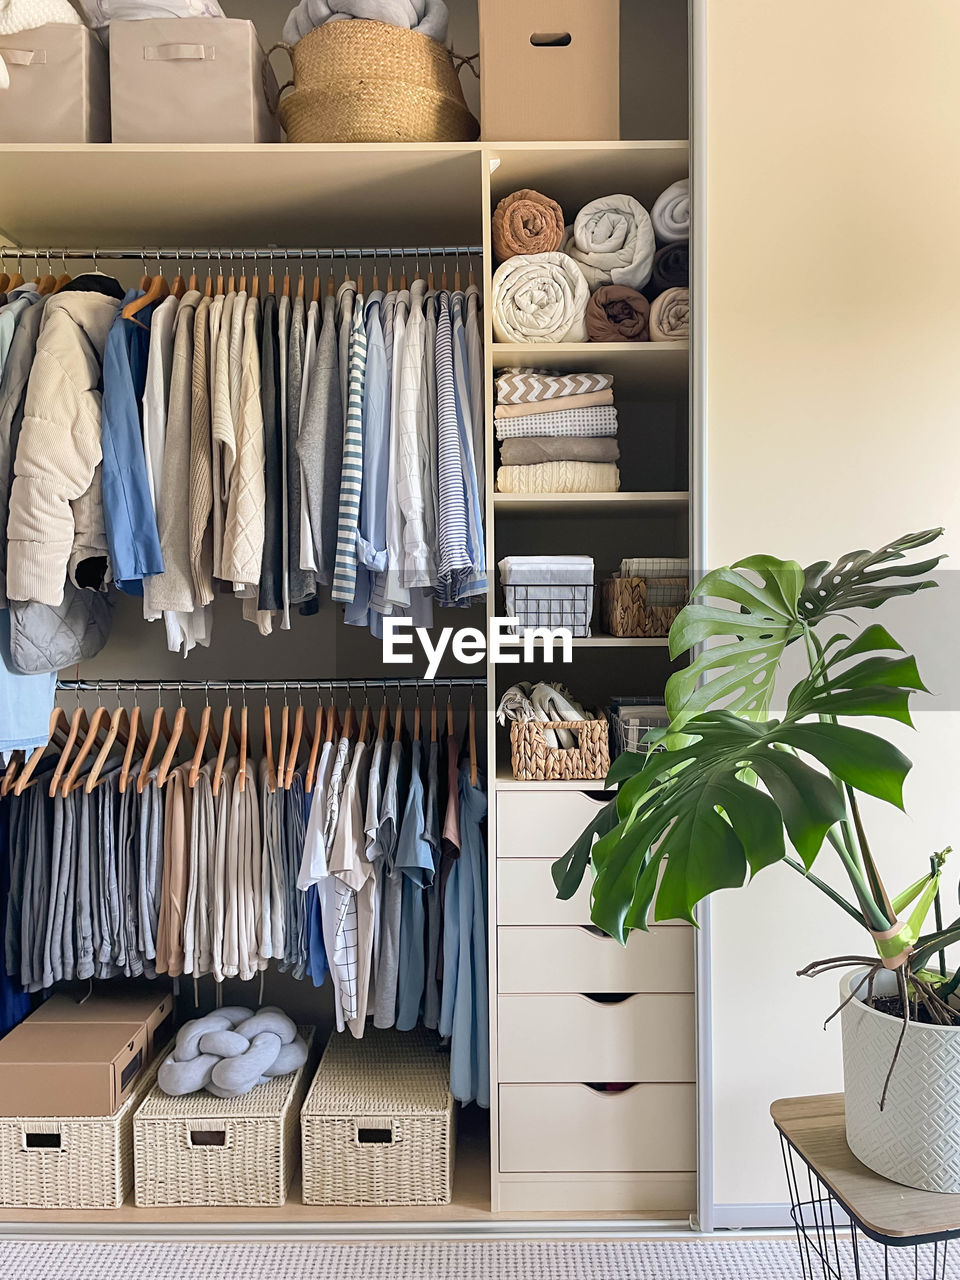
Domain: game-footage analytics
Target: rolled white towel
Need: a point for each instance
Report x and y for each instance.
(429, 17)
(671, 213)
(540, 297)
(100, 13)
(612, 240)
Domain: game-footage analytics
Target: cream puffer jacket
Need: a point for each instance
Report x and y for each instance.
(56, 502)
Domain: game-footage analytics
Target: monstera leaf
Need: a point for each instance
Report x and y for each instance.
(744, 645)
(861, 579)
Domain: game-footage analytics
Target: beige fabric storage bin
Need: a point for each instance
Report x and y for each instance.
(190, 80)
(378, 1123)
(85, 1162)
(59, 86)
(220, 1152)
(549, 70)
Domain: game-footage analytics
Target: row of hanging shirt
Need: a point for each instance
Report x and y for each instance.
(265, 445)
(349, 853)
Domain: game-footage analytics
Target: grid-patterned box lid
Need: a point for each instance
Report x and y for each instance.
(386, 1073)
(547, 570)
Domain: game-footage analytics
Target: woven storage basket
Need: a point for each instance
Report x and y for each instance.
(248, 1159)
(624, 610)
(378, 1123)
(84, 1162)
(534, 761)
(363, 81)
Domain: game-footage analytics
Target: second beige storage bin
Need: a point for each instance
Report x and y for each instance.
(378, 1123)
(205, 1151)
(190, 80)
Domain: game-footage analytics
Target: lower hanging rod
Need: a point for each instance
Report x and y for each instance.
(187, 253)
(287, 686)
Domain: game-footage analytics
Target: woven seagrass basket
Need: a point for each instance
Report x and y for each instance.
(625, 611)
(534, 761)
(364, 81)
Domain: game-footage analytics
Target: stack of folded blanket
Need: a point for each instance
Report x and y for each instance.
(557, 432)
(597, 278)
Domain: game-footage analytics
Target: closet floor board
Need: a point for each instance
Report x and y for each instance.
(638, 368)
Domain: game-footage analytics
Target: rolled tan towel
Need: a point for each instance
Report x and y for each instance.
(524, 453)
(526, 222)
(539, 297)
(616, 313)
(670, 316)
(589, 400)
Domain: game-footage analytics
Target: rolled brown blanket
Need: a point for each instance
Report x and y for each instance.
(526, 222)
(670, 316)
(523, 453)
(616, 313)
(671, 269)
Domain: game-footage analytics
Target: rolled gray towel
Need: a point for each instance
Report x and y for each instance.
(429, 17)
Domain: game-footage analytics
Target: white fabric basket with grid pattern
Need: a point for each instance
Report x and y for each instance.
(549, 591)
(378, 1123)
(206, 1151)
(82, 1162)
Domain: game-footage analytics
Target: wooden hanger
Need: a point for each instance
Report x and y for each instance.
(4, 278)
(58, 730)
(282, 755)
(242, 763)
(64, 278)
(416, 721)
(472, 734)
(365, 719)
(193, 282)
(333, 724)
(382, 726)
(99, 720)
(449, 717)
(119, 728)
(203, 736)
(156, 290)
(471, 275)
(46, 284)
(135, 735)
(314, 750)
(255, 285)
(16, 280)
(13, 764)
(398, 722)
(331, 286)
(181, 725)
(222, 753)
(433, 720)
(268, 748)
(316, 285)
(294, 747)
(349, 721)
(78, 724)
(160, 726)
(286, 279)
(271, 279)
(301, 283)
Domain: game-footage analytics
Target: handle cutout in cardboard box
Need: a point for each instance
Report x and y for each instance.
(551, 39)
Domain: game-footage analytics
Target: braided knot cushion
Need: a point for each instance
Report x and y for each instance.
(230, 1051)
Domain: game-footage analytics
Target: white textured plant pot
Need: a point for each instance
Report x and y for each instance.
(915, 1139)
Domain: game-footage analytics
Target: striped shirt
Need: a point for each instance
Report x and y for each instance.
(351, 475)
(454, 553)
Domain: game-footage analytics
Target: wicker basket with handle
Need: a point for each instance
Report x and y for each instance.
(625, 609)
(533, 760)
(364, 81)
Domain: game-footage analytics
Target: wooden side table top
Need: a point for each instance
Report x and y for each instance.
(815, 1127)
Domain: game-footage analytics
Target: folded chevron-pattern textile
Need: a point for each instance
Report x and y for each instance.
(524, 386)
(587, 423)
(589, 400)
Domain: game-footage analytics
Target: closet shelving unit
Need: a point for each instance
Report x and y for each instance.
(400, 194)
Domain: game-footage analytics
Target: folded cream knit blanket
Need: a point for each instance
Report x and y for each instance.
(612, 239)
(589, 400)
(670, 316)
(526, 222)
(539, 297)
(671, 213)
(601, 421)
(560, 477)
(429, 17)
(529, 386)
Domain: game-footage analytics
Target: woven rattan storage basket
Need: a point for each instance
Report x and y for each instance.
(83, 1162)
(378, 1123)
(534, 761)
(206, 1151)
(625, 610)
(364, 81)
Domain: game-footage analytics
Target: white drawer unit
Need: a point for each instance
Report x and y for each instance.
(543, 823)
(526, 895)
(540, 961)
(572, 1038)
(573, 1128)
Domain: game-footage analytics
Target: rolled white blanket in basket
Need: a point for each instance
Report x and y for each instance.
(544, 702)
(670, 316)
(560, 477)
(540, 297)
(612, 239)
(429, 17)
(671, 213)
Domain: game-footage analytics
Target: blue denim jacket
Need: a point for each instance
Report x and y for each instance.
(129, 518)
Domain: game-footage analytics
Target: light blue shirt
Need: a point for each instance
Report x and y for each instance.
(25, 701)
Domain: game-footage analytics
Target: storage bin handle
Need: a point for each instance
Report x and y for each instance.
(24, 57)
(48, 1139)
(179, 52)
(376, 1133)
(215, 1138)
(267, 66)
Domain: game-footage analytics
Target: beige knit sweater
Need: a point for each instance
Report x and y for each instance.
(56, 502)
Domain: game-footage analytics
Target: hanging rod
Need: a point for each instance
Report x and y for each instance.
(261, 254)
(297, 686)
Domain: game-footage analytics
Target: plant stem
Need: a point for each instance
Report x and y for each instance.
(831, 893)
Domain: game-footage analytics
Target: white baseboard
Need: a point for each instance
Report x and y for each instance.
(744, 1217)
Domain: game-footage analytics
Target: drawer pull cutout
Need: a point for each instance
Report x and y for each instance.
(607, 997)
(551, 39)
(42, 1142)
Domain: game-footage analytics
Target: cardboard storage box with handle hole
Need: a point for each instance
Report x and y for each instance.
(70, 1069)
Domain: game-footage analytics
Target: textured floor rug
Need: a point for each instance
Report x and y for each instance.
(719, 1259)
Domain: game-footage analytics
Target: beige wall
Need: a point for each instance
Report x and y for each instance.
(832, 332)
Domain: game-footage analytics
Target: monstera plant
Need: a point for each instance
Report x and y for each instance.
(728, 789)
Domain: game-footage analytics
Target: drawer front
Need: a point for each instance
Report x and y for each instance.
(527, 895)
(571, 1038)
(543, 823)
(578, 961)
(571, 1128)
